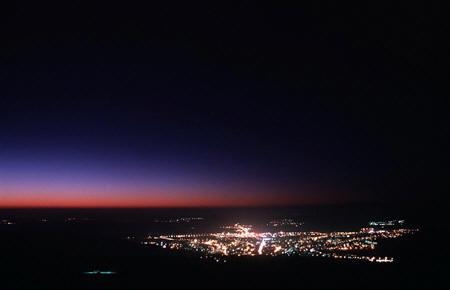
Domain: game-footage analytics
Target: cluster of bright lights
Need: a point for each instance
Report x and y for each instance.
(284, 223)
(241, 240)
(179, 220)
(388, 223)
(6, 222)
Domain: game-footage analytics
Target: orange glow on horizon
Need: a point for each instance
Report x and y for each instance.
(141, 202)
(141, 198)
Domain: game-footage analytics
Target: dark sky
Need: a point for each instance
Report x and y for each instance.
(223, 104)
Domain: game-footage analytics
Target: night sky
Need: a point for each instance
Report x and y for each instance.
(223, 105)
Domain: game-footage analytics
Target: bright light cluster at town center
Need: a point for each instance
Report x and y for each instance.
(242, 240)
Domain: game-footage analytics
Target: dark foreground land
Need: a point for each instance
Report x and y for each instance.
(54, 255)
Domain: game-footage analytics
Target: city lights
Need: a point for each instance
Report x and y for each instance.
(242, 240)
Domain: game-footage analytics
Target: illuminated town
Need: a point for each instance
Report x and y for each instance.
(242, 240)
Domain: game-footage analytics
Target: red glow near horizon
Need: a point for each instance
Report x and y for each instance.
(157, 202)
(134, 202)
(151, 199)
(68, 184)
(80, 194)
(37, 201)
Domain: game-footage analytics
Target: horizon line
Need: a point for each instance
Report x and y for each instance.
(199, 206)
